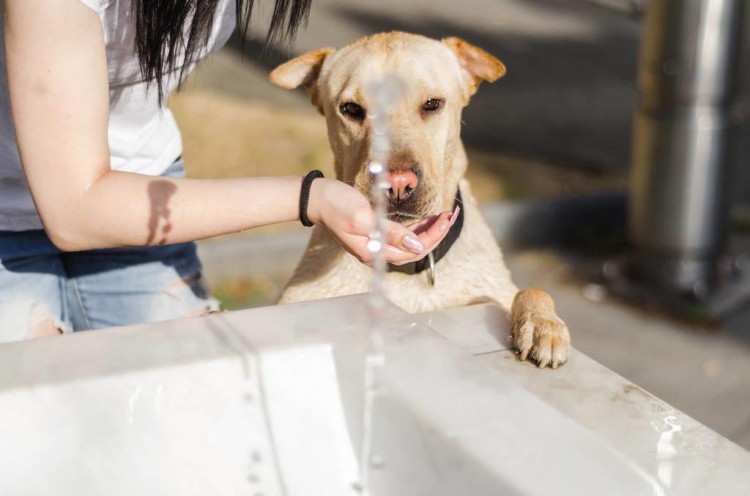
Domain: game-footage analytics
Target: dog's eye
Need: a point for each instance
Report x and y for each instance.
(351, 109)
(432, 105)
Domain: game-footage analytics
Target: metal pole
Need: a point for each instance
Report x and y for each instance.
(683, 141)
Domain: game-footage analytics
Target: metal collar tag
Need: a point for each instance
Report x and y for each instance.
(431, 269)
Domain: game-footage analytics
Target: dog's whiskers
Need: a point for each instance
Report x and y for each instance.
(407, 215)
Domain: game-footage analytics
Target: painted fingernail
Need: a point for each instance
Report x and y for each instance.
(413, 245)
(454, 216)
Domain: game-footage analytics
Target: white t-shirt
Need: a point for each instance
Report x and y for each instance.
(143, 136)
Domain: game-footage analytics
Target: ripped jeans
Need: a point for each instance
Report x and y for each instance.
(39, 284)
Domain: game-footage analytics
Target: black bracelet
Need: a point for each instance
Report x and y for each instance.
(304, 196)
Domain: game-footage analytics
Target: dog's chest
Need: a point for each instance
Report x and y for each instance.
(455, 284)
(415, 294)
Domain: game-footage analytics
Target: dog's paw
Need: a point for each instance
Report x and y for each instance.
(545, 339)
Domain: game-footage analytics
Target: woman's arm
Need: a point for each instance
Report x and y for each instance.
(59, 94)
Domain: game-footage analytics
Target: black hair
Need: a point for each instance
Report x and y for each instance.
(165, 29)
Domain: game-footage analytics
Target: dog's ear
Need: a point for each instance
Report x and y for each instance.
(302, 71)
(476, 64)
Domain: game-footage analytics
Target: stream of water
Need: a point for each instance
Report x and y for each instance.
(382, 95)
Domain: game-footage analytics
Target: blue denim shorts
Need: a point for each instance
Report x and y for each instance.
(97, 288)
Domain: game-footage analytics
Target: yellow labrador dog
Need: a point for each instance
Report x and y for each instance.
(426, 170)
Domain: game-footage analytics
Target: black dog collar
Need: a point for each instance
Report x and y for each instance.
(441, 250)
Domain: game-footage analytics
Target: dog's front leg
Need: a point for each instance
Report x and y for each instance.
(536, 330)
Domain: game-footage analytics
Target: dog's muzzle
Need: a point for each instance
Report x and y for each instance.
(404, 195)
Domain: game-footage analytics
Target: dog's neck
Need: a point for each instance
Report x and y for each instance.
(440, 250)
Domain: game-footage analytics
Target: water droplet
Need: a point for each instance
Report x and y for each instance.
(374, 245)
(594, 292)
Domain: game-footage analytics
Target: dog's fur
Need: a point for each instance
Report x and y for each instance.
(429, 145)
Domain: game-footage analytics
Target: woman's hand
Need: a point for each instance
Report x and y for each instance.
(347, 214)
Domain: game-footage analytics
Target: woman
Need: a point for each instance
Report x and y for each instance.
(96, 222)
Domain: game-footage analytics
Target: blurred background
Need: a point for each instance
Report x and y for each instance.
(550, 160)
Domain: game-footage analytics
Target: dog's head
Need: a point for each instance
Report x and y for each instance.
(427, 157)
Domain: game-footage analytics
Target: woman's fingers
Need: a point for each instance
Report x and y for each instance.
(433, 233)
(404, 244)
(404, 239)
(428, 232)
(347, 214)
(427, 223)
(423, 225)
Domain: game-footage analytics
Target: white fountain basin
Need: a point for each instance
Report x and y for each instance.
(269, 402)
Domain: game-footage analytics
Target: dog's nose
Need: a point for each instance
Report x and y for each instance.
(403, 182)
